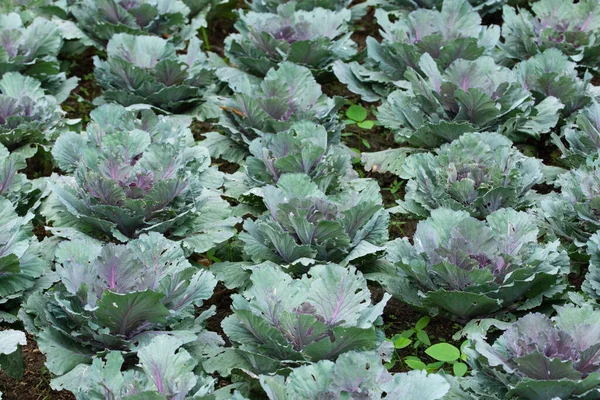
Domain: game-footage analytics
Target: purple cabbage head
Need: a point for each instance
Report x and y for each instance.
(539, 357)
(466, 268)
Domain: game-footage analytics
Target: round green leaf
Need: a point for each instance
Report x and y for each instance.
(415, 363)
(460, 369)
(443, 352)
(366, 124)
(422, 323)
(401, 342)
(435, 365)
(423, 337)
(356, 113)
(407, 333)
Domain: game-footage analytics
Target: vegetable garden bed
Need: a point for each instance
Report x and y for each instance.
(222, 199)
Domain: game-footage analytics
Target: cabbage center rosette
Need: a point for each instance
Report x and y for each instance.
(100, 20)
(552, 74)
(454, 32)
(468, 96)
(483, 7)
(127, 182)
(118, 297)
(314, 39)
(303, 149)
(147, 70)
(574, 214)
(541, 358)
(281, 322)
(569, 26)
(355, 374)
(288, 94)
(464, 268)
(479, 173)
(110, 119)
(303, 226)
(32, 49)
(582, 135)
(166, 370)
(269, 6)
(27, 114)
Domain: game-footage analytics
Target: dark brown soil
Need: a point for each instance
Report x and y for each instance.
(366, 26)
(35, 384)
(40, 165)
(221, 299)
(198, 128)
(79, 104)
(219, 28)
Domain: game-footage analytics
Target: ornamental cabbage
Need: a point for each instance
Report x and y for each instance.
(148, 70)
(27, 114)
(133, 181)
(478, 173)
(29, 9)
(454, 32)
(15, 186)
(582, 136)
(469, 96)
(569, 26)
(288, 94)
(303, 149)
(166, 370)
(32, 50)
(281, 322)
(100, 20)
(357, 375)
(21, 264)
(303, 225)
(552, 74)
(539, 358)
(482, 6)
(118, 297)
(314, 39)
(591, 285)
(109, 119)
(271, 6)
(574, 213)
(464, 268)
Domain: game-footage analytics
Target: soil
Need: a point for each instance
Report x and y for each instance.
(79, 104)
(219, 27)
(39, 165)
(365, 27)
(221, 299)
(35, 384)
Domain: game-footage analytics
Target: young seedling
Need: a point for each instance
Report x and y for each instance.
(443, 353)
(357, 115)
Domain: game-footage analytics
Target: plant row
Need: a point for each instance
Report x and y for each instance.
(110, 262)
